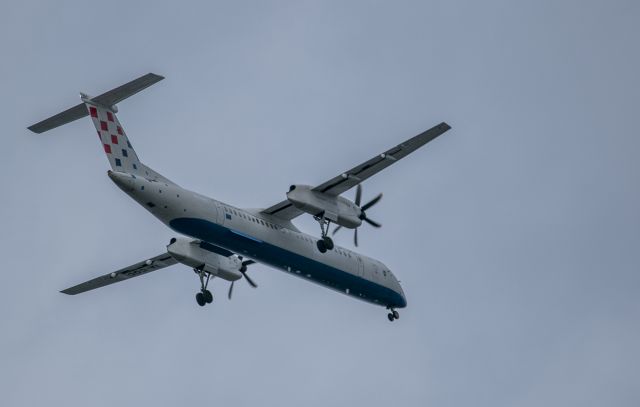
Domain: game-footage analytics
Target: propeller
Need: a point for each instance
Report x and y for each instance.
(243, 271)
(363, 214)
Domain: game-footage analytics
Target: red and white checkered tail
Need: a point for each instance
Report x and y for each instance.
(102, 111)
(114, 140)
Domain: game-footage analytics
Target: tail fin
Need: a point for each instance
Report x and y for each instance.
(114, 140)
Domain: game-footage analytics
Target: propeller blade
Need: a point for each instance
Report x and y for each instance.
(371, 202)
(250, 281)
(244, 264)
(363, 215)
(372, 223)
(230, 290)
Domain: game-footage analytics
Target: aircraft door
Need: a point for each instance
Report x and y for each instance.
(215, 212)
(360, 267)
(375, 272)
(223, 214)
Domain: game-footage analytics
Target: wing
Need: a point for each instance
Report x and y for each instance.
(347, 180)
(138, 269)
(283, 210)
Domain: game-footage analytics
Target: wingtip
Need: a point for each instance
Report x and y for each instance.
(158, 77)
(36, 128)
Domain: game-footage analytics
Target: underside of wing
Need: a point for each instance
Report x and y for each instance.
(359, 173)
(138, 269)
(349, 179)
(283, 210)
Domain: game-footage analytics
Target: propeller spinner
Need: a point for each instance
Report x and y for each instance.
(243, 270)
(363, 214)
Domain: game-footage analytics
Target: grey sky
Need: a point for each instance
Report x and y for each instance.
(516, 235)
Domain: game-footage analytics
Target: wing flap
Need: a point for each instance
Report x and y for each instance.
(215, 249)
(138, 269)
(283, 210)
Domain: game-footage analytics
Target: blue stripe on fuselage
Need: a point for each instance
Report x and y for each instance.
(244, 235)
(288, 261)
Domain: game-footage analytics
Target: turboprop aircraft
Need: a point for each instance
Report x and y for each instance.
(221, 240)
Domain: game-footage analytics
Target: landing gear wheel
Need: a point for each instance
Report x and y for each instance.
(325, 243)
(395, 314)
(204, 297)
(328, 242)
(390, 316)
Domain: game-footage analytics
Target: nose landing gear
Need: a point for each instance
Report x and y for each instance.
(393, 315)
(204, 297)
(325, 243)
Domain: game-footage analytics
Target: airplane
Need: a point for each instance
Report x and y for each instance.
(221, 240)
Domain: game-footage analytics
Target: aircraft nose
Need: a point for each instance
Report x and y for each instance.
(401, 299)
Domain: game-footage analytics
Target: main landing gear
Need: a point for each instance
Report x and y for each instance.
(325, 243)
(393, 315)
(204, 297)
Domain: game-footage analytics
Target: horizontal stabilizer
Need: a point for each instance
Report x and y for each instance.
(138, 269)
(77, 112)
(120, 93)
(107, 100)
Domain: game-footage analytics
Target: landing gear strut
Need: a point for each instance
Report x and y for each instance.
(325, 243)
(393, 315)
(204, 297)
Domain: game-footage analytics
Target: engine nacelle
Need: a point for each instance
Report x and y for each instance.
(190, 253)
(337, 209)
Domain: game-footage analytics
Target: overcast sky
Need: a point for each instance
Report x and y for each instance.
(516, 235)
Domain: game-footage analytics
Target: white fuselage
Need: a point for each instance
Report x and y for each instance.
(266, 239)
